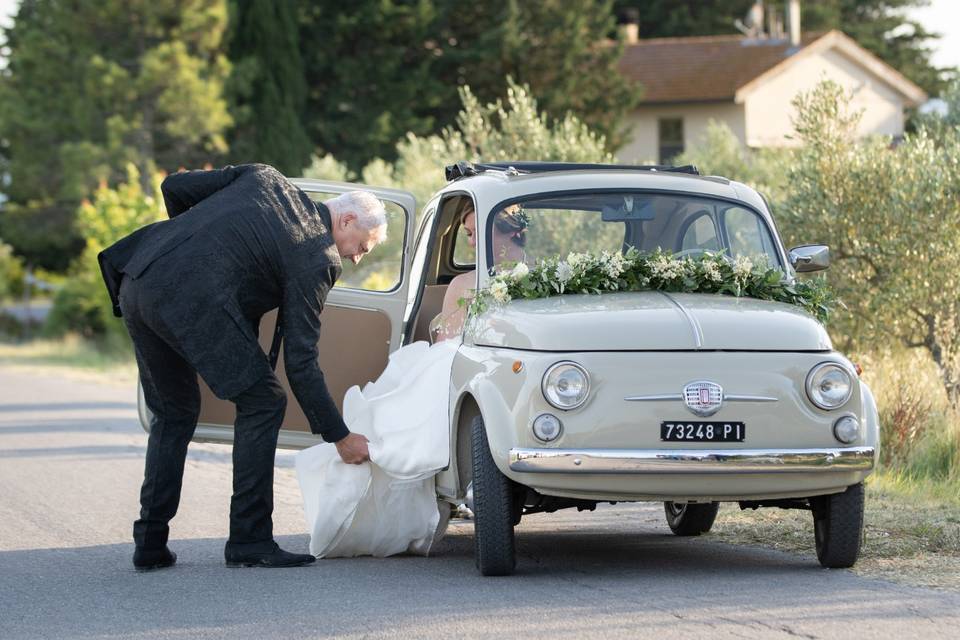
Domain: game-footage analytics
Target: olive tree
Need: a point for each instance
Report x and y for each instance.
(891, 215)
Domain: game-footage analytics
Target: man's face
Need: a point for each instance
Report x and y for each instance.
(354, 242)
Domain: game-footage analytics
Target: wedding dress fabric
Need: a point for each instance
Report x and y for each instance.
(388, 505)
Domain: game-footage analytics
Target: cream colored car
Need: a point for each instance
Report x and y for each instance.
(574, 400)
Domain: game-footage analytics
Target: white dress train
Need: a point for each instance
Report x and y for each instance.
(388, 505)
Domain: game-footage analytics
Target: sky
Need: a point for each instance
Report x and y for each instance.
(941, 16)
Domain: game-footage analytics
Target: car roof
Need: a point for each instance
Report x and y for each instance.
(491, 187)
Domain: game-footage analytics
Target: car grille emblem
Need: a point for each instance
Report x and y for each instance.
(703, 398)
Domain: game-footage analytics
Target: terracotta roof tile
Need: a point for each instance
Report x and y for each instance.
(701, 68)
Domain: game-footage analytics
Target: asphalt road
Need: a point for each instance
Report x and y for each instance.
(70, 465)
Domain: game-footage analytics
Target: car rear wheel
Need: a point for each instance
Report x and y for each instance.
(838, 527)
(690, 519)
(493, 509)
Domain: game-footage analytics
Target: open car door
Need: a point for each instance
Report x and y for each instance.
(361, 323)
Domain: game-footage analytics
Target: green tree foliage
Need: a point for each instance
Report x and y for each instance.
(370, 75)
(91, 86)
(82, 304)
(268, 86)
(891, 216)
(11, 270)
(560, 50)
(509, 129)
(881, 26)
(414, 57)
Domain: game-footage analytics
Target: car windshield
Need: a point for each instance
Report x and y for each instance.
(557, 224)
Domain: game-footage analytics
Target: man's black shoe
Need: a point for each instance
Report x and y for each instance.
(150, 559)
(274, 558)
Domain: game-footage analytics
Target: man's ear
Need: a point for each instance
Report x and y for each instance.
(347, 218)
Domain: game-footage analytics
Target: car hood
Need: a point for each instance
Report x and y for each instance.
(649, 321)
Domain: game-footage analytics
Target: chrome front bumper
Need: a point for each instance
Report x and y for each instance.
(627, 461)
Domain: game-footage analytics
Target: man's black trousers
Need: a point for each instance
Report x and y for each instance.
(173, 397)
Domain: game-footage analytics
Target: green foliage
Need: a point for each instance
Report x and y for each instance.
(378, 70)
(892, 218)
(658, 271)
(502, 130)
(82, 304)
(370, 69)
(881, 26)
(268, 86)
(720, 153)
(11, 270)
(91, 86)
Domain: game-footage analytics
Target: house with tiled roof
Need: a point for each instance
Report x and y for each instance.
(748, 83)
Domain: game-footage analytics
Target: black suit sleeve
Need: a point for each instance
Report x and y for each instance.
(185, 189)
(303, 299)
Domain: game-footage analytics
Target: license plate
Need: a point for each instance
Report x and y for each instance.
(702, 431)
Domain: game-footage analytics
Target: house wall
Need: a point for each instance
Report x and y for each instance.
(643, 145)
(768, 112)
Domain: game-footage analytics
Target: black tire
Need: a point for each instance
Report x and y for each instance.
(838, 527)
(690, 519)
(493, 509)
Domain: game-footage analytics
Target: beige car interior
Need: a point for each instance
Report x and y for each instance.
(354, 342)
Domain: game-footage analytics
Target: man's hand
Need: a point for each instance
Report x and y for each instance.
(353, 449)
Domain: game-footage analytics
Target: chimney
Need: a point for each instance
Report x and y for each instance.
(630, 26)
(793, 21)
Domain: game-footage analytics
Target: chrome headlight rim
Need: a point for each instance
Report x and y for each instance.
(816, 370)
(565, 363)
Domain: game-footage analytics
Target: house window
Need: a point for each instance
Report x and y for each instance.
(670, 138)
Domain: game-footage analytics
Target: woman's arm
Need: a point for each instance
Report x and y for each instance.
(452, 316)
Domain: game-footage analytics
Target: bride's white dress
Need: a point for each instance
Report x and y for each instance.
(388, 505)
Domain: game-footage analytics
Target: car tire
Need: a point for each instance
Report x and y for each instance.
(690, 519)
(838, 527)
(493, 509)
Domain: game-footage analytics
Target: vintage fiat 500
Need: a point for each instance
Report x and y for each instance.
(574, 400)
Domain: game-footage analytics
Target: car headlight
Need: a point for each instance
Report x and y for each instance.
(829, 385)
(566, 385)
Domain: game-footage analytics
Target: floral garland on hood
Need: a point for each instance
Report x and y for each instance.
(658, 271)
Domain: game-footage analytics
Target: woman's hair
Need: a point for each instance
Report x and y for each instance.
(513, 221)
(465, 208)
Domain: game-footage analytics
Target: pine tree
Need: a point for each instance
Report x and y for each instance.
(268, 86)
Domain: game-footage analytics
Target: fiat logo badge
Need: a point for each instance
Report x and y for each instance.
(703, 398)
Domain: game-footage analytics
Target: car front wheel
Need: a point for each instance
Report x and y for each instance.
(690, 519)
(838, 527)
(493, 509)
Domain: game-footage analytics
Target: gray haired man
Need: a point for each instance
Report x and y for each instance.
(240, 241)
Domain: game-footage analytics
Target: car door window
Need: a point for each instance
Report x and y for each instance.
(700, 234)
(746, 233)
(381, 269)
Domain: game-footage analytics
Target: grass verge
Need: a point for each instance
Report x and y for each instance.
(74, 357)
(911, 533)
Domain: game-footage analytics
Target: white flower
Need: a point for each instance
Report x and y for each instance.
(500, 292)
(712, 271)
(668, 268)
(613, 264)
(564, 272)
(742, 267)
(578, 261)
(519, 271)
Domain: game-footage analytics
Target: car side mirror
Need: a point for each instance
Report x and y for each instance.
(810, 257)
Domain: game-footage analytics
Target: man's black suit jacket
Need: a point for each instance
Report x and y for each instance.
(240, 241)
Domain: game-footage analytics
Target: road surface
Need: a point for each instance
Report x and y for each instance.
(71, 457)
